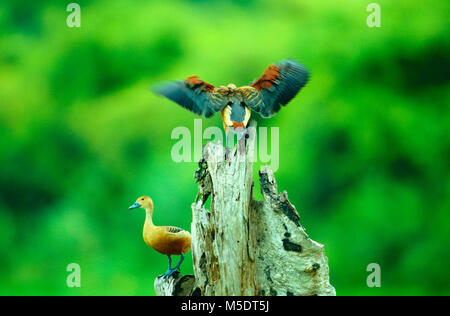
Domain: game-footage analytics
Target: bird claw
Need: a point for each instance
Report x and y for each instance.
(170, 273)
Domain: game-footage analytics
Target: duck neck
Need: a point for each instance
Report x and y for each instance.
(148, 217)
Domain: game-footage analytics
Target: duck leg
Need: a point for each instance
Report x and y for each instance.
(174, 270)
(227, 148)
(242, 137)
(169, 270)
(177, 267)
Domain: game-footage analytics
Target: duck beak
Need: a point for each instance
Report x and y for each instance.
(135, 205)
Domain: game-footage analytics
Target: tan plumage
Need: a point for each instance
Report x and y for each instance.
(167, 240)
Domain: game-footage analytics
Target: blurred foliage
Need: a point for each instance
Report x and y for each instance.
(364, 154)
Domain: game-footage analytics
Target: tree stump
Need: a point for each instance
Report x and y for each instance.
(241, 246)
(175, 286)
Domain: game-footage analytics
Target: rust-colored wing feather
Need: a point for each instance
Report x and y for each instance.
(279, 84)
(193, 94)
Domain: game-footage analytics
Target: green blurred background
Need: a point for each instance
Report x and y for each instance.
(364, 154)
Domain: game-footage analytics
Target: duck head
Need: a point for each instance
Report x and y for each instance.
(144, 202)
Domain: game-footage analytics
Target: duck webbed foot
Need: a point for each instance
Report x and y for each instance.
(175, 270)
(170, 273)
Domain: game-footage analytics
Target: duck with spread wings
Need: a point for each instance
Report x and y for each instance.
(278, 85)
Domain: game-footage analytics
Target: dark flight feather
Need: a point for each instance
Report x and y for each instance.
(279, 84)
(193, 94)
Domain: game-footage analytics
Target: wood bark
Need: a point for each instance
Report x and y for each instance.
(241, 246)
(175, 286)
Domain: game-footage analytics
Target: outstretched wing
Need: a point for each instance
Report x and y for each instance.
(252, 98)
(193, 94)
(278, 85)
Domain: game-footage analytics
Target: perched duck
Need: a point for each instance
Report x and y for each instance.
(168, 240)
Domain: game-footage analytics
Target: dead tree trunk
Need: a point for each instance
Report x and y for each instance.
(245, 247)
(175, 286)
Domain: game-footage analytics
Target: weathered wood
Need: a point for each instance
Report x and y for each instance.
(288, 261)
(175, 285)
(223, 253)
(245, 247)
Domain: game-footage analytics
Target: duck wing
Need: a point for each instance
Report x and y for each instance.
(278, 85)
(173, 229)
(194, 95)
